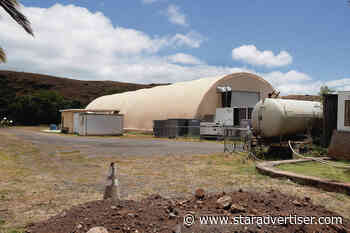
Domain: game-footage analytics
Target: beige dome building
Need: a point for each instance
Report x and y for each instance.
(197, 99)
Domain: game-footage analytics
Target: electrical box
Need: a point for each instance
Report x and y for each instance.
(224, 116)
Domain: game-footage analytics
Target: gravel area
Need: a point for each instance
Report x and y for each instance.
(92, 146)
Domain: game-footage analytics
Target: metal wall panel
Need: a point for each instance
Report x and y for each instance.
(342, 97)
(101, 124)
(76, 122)
(244, 99)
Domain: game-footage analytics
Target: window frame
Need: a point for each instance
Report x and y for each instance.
(347, 113)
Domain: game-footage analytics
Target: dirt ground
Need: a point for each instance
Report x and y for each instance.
(41, 178)
(156, 214)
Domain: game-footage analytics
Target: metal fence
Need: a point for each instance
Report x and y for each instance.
(236, 139)
(173, 128)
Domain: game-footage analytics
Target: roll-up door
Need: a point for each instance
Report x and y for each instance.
(244, 99)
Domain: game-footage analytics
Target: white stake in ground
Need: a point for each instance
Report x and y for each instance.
(112, 189)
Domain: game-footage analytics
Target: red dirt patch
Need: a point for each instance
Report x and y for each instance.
(157, 214)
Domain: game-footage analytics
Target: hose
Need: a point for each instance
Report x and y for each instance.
(317, 159)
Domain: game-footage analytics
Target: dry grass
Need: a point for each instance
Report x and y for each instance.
(37, 183)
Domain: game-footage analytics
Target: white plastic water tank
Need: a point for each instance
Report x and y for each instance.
(281, 117)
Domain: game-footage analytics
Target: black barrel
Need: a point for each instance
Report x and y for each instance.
(176, 128)
(193, 127)
(159, 128)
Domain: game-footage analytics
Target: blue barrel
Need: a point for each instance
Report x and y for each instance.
(53, 127)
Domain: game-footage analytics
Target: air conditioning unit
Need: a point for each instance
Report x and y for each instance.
(211, 129)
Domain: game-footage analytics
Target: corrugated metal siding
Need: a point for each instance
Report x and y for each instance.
(244, 98)
(101, 124)
(330, 115)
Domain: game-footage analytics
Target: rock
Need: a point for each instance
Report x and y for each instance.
(79, 226)
(297, 203)
(172, 215)
(169, 209)
(98, 230)
(236, 209)
(254, 211)
(224, 202)
(63, 214)
(113, 207)
(156, 197)
(172, 202)
(176, 211)
(199, 194)
(183, 203)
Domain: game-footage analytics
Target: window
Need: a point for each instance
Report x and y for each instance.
(250, 110)
(347, 113)
(242, 114)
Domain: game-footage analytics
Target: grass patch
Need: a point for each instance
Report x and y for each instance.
(12, 231)
(236, 163)
(316, 169)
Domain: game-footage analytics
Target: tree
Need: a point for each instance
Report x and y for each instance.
(325, 90)
(11, 7)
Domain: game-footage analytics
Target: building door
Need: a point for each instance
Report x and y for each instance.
(76, 123)
(244, 99)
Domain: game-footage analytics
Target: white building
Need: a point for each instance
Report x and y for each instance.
(343, 121)
(196, 99)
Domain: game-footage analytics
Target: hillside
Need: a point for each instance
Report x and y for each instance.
(21, 83)
(31, 99)
(303, 97)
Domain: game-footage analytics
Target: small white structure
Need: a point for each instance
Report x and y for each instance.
(87, 122)
(99, 124)
(343, 123)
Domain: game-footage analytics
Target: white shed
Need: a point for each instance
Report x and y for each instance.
(343, 123)
(87, 122)
(100, 124)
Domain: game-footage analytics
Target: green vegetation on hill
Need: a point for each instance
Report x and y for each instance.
(31, 99)
(41, 107)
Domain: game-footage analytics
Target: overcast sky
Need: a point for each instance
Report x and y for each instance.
(296, 45)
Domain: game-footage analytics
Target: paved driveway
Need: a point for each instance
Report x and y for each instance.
(98, 146)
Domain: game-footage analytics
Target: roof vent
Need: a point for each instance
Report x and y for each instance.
(222, 89)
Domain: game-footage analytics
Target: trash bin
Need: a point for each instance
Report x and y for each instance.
(53, 127)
